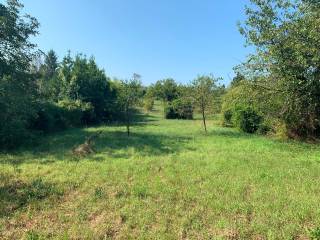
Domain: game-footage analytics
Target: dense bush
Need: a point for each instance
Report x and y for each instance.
(227, 118)
(53, 117)
(245, 107)
(17, 106)
(77, 113)
(246, 119)
(13, 133)
(169, 112)
(48, 118)
(179, 109)
(285, 67)
(80, 78)
(17, 88)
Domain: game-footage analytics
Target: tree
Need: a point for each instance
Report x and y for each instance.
(237, 80)
(17, 83)
(149, 98)
(65, 77)
(129, 94)
(50, 64)
(203, 93)
(16, 50)
(81, 79)
(48, 82)
(166, 89)
(286, 35)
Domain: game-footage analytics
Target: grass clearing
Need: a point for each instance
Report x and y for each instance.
(167, 181)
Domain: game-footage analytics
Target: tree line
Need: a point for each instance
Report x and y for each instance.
(276, 91)
(39, 94)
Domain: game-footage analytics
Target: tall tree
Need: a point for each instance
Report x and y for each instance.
(286, 35)
(67, 86)
(82, 79)
(16, 49)
(17, 84)
(50, 64)
(203, 93)
(48, 83)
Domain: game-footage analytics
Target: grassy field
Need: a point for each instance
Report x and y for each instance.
(167, 181)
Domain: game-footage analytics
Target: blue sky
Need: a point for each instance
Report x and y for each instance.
(155, 38)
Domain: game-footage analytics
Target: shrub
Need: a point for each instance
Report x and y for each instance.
(246, 119)
(227, 118)
(13, 133)
(52, 117)
(179, 109)
(49, 118)
(264, 128)
(169, 112)
(77, 113)
(148, 103)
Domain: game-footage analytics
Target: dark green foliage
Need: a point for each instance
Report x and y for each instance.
(227, 118)
(246, 119)
(13, 134)
(49, 118)
(17, 104)
(179, 109)
(48, 81)
(81, 79)
(17, 85)
(52, 117)
(77, 113)
(170, 113)
(264, 128)
(166, 90)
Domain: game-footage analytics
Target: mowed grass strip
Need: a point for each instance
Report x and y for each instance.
(168, 180)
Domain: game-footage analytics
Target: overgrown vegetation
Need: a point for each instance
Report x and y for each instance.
(87, 173)
(166, 181)
(283, 76)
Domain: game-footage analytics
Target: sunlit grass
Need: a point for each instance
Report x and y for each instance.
(169, 180)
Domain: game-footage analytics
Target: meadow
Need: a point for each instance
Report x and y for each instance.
(168, 180)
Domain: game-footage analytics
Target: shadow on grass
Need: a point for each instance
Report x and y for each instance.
(144, 144)
(16, 194)
(58, 146)
(115, 144)
(139, 119)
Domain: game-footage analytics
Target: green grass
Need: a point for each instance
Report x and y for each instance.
(167, 181)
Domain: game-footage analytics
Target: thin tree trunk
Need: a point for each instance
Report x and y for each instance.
(128, 129)
(128, 122)
(203, 114)
(204, 120)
